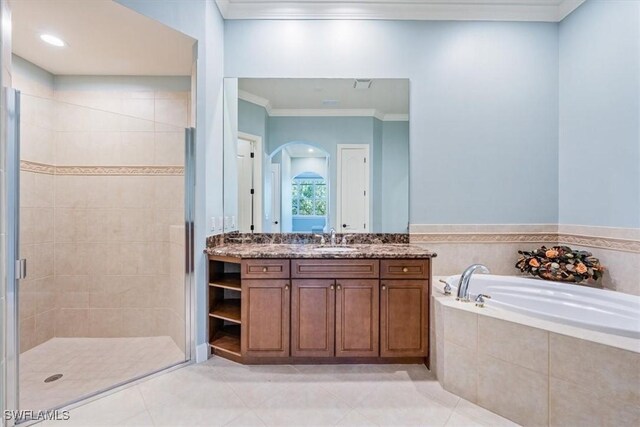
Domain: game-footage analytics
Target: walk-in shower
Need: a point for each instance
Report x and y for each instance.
(103, 208)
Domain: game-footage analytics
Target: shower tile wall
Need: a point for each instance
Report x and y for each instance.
(100, 244)
(37, 293)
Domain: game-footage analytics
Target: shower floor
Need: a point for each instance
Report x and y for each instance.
(88, 365)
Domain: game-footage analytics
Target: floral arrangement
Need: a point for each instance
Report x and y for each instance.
(560, 263)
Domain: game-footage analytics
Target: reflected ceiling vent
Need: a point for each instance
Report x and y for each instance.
(330, 102)
(362, 83)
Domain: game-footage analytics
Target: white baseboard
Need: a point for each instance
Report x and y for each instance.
(202, 352)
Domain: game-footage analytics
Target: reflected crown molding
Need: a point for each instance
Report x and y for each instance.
(421, 10)
(320, 112)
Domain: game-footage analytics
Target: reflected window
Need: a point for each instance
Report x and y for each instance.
(309, 195)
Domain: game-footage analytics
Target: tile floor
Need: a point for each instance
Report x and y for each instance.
(88, 365)
(222, 393)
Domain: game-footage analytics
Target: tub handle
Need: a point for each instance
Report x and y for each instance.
(480, 300)
(447, 287)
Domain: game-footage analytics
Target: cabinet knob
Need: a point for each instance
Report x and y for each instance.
(405, 269)
(286, 287)
(384, 287)
(332, 287)
(264, 269)
(339, 286)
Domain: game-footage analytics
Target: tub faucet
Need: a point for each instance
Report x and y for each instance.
(333, 236)
(463, 284)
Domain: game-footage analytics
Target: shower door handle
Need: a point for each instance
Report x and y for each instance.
(21, 269)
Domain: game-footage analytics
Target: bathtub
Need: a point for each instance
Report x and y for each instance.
(595, 309)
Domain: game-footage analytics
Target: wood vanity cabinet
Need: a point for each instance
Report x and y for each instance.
(357, 324)
(404, 308)
(266, 300)
(313, 311)
(309, 309)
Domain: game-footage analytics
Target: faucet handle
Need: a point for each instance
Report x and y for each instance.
(480, 300)
(447, 287)
(344, 241)
(322, 240)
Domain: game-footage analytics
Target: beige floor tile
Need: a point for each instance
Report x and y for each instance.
(481, 415)
(302, 405)
(248, 419)
(355, 419)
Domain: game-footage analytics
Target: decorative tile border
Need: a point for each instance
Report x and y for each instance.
(623, 245)
(36, 167)
(119, 170)
(586, 236)
(483, 237)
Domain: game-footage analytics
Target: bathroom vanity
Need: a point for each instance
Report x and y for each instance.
(292, 303)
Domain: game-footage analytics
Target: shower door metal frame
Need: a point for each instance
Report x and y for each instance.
(189, 231)
(12, 164)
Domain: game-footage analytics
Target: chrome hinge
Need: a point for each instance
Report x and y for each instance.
(21, 269)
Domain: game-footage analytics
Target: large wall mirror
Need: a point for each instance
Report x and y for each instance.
(308, 155)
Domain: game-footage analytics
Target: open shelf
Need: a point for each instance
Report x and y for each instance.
(227, 339)
(227, 281)
(227, 309)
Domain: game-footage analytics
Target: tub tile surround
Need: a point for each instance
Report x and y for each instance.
(532, 371)
(101, 208)
(497, 245)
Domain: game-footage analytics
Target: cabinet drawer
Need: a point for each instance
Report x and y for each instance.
(265, 269)
(335, 269)
(404, 269)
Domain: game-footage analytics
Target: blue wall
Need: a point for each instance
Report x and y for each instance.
(600, 115)
(484, 103)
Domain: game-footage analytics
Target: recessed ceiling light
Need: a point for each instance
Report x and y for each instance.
(52, 40)
(311, 150)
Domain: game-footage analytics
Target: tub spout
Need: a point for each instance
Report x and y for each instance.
(463, 285)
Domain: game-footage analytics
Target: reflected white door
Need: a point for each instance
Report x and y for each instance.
(353, 188)
(276, 200)
(245, 186)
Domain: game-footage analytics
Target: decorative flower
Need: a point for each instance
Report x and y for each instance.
(551, 253)
(560, 263)
(581, 268)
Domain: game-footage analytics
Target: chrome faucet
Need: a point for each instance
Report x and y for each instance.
(463, 284)
(333, 236)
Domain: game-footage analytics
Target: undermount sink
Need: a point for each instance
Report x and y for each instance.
(335, 249)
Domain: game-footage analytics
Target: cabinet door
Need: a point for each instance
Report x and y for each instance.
(403, 318)
(265, 318)
(312, 318)
(357, 304)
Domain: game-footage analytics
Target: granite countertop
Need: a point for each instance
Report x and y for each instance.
(257, 250)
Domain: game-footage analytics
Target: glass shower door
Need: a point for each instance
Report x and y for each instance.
(104, 229)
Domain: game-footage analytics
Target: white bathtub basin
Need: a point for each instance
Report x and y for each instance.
(596, 309)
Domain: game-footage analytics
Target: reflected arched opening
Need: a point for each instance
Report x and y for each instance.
(298, 188)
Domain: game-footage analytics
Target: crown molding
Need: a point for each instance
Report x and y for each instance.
(320, 112)
(255, 99)
(435, 10)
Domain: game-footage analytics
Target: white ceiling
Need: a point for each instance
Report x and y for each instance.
(454, 10)
(102, 36)
(386, 98)
(299, 149)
